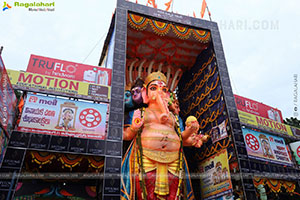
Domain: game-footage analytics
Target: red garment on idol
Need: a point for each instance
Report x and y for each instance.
(150, 186)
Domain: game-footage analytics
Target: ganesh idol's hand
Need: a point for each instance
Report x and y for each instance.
(198, 141)
(137, 123)
(195, 140)
(191, 127)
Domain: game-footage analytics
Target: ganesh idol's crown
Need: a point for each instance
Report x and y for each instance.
(155, 76)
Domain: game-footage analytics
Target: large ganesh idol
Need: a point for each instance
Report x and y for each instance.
(154, 166)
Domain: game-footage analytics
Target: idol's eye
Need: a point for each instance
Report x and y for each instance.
(165, 90)
(127, 94)
(153, 88)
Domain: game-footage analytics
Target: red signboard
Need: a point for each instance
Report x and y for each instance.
(8, 100)
(257, 108)
(69, 70)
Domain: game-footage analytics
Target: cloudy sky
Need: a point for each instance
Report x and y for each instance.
(261, 40)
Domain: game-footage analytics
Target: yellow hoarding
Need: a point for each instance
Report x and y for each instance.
(216, 181)
(58, 86)
(264, 123)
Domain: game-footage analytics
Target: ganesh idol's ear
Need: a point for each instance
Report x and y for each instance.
(145, 96)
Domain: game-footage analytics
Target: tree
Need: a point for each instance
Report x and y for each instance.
(293, 121)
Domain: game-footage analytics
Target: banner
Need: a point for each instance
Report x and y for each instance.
(296, 131)
(69, 70)
(3, 144)
(266, 147)
(216, 181)
(8, 99)
(219, 132)
(55, 116)
(264, 123)
(256, 108)
(295, 146)
(229, 196)
(58, 86)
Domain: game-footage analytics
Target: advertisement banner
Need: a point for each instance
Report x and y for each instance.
(69, 70)
(257, 108)
(266, 147)
(229, 196)
(58, 86)
(295, 147)
(3, 144)
(56, 116)
(216, 181)
(264, 123)
(296, 131)
(8, 99)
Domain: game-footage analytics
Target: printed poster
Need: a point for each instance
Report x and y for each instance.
(3, 144)
(8, 100)
(226, 197)
(296, 131)
(219, 132)
(295, 146)
(216, 181)
(266, 147)
(63, 117)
